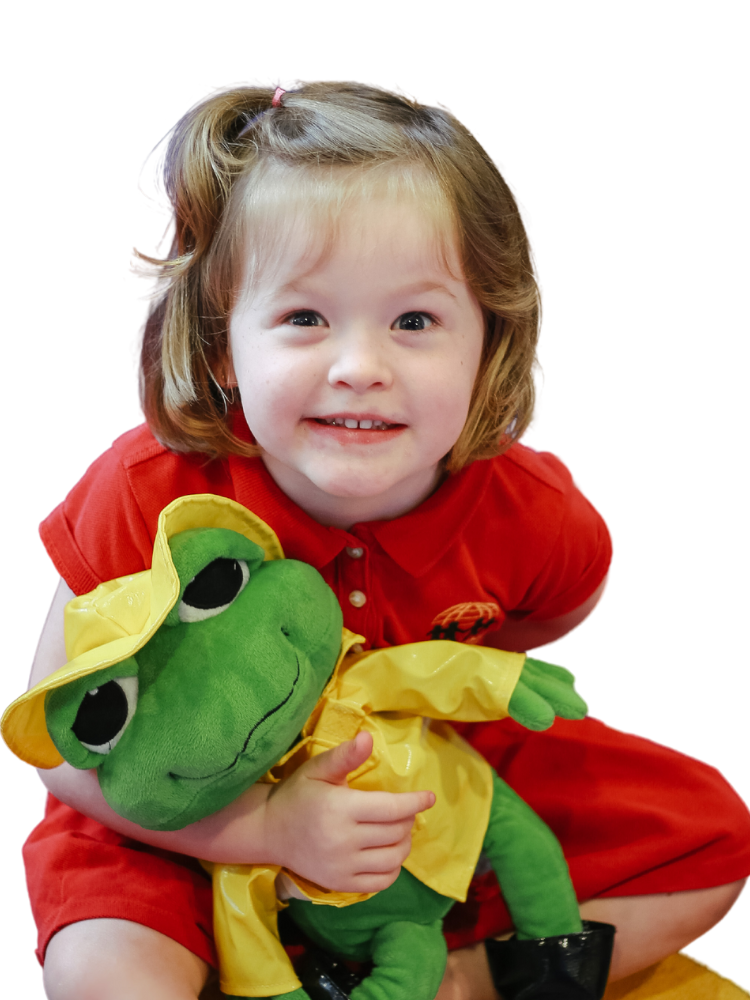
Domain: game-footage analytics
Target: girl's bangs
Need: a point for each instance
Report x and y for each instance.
(282, 206)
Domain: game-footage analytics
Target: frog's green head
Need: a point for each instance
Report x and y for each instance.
(216, 695)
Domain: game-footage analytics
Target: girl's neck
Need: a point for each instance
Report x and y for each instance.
(344, 511)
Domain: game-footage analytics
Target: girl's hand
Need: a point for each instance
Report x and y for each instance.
(336, 836)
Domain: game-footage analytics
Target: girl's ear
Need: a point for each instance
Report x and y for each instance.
(224, 381)
(222, 369)
(225, 374)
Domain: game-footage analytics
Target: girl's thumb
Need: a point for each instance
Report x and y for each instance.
(334, 765)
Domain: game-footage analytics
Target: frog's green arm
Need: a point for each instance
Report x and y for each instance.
(441, 679)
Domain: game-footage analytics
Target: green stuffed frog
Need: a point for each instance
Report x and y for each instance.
(224, 665)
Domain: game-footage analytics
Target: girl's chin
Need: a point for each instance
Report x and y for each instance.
(350, 486)
(352, 489)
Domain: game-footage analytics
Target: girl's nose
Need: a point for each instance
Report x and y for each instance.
(360, 363)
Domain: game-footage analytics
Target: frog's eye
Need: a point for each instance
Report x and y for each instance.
(213, 589)
(104, 714)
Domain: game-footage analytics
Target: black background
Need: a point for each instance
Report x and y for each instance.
(634, 397)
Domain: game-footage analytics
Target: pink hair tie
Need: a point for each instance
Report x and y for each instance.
(276, 100)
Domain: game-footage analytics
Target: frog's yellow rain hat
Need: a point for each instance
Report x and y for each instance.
(118, 618)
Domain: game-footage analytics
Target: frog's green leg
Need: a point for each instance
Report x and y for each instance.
(409, 962)
(409, 957)
(530, 868)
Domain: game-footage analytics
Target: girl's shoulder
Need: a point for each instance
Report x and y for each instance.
(521, 500)
(555, 532)
(520, 486)
(106, 525)
(536, 488)
(542, 470)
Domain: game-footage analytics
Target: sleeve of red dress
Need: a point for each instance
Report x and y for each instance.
(582, 551)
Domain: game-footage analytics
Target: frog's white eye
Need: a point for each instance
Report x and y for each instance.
(213, 589)
(104, 714)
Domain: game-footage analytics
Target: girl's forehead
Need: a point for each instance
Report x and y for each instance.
(297, 221)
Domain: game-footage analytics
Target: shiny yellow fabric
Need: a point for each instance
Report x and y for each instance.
(117, 619)
(438, 679)
(246, 924)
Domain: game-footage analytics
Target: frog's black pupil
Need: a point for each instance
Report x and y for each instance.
(216, 585)
(101, 715)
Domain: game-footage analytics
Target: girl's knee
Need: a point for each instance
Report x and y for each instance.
(109, 959)
(649, 928)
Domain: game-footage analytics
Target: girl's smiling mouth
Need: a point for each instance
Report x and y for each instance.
(357, 423)
(351, 429)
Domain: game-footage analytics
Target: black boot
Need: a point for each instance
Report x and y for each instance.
(569, 967)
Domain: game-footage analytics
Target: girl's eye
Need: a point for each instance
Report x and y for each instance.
(305, 317)
(413, 321)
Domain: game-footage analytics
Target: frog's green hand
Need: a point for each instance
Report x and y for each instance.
(542, 692)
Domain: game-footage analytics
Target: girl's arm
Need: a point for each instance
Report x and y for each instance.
(518, 635)
(313, 823)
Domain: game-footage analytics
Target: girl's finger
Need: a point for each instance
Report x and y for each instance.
(373, 835)
(389, 807)
(373, 881)
(380, 860)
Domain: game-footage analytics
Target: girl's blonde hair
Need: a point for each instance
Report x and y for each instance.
(217, 159)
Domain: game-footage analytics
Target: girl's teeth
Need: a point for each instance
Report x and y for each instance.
(364, 425)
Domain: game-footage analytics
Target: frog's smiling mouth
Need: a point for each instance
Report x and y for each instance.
(269, 713)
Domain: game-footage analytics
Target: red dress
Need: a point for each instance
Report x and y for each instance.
(508, 534)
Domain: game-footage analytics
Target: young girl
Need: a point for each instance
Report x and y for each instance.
(344, 345)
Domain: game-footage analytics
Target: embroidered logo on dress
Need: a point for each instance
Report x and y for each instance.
(464, 622)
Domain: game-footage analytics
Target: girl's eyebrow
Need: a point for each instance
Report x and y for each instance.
(296, 287)
(425, 286)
